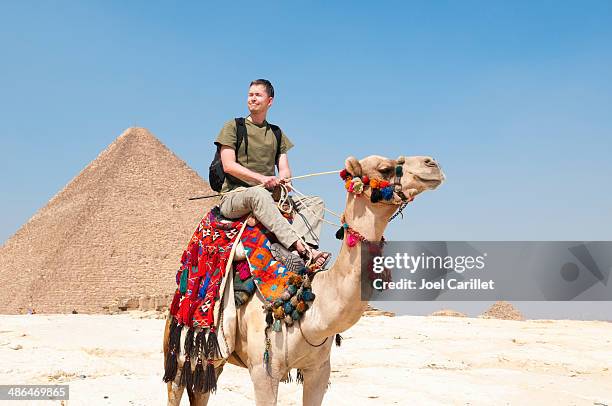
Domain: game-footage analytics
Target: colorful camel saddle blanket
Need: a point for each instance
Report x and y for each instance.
(203, 267)
(206, 262)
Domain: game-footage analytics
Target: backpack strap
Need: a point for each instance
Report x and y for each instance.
(241, 134)
(279, 134)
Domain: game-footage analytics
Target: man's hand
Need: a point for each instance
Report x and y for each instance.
(270, 182)
(287, 184)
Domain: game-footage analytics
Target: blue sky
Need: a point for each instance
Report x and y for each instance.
(512, 98)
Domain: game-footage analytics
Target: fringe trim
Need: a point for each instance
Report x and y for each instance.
(189, 347)
(174, 344)
(212, 345)
(210, 378)
(199, 377)
(186, 375)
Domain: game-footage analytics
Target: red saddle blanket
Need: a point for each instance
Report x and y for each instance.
(204, 264)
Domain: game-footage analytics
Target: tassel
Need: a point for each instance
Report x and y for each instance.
(170, 367)
(204, 286)
(184, 279)
(277, 326)
(194, 250)
(171, 362)
(340, 233)
(214, 351)
(192, 309)
(186, 377)
(399, 172)
(210, 378)
(269, 318)
(198, 377)
(338, 340)
(174, 341)
(200, 340)
(189, 342)
(266, 354)
(300, 377)
(175, 303)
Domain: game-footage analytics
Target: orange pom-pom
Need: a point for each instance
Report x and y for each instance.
(347, 184)
(374, 183)
(301, 306)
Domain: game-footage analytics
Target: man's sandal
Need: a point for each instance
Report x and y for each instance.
(293, 262)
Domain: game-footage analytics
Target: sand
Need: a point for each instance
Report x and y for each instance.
(117, 360)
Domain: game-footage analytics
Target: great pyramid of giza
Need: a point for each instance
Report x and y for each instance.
(111, 239)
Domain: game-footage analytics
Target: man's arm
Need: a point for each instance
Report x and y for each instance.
(230, 166)
(284, 172)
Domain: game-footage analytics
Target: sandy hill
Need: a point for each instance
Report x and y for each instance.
(112, 237)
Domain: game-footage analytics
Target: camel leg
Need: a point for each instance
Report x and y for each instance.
(175, 392)
(266, 387)
(315, 384)
(201, 399)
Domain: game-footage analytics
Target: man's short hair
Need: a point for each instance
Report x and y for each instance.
(266, 83)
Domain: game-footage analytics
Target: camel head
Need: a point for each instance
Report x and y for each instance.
(419, 173)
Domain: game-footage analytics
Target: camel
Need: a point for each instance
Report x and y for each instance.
(306, 345)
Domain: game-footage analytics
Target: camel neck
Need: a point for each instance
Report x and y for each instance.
(340, 301)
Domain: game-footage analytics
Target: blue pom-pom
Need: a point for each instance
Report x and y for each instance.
(308, 296)
(288, 308)
(387, 192)
(296, 315)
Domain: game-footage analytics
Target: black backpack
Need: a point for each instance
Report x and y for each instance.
(216, 175)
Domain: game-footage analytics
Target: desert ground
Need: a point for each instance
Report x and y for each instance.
(407, 360)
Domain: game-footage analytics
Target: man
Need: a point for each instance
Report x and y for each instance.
(254, 164)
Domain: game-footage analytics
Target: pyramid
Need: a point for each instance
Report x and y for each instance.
(111, 239)
(502, 310)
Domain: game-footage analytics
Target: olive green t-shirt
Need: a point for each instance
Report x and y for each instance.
(262, 148)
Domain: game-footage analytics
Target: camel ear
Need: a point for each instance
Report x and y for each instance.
(353, 166)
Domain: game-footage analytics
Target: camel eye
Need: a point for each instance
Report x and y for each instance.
(386, 170)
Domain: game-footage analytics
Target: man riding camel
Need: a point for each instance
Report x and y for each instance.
(254, 164)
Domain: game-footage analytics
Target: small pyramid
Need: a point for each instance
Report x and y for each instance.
(112, 237)
(502, 310)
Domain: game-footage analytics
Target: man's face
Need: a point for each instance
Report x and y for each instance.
(258, 100)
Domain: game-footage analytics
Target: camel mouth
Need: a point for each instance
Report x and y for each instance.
(433, 182)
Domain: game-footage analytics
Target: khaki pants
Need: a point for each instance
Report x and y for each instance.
(308, 212)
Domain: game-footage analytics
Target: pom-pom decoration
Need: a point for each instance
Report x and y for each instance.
(387, 193)
(356, 186)
(351, 240)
